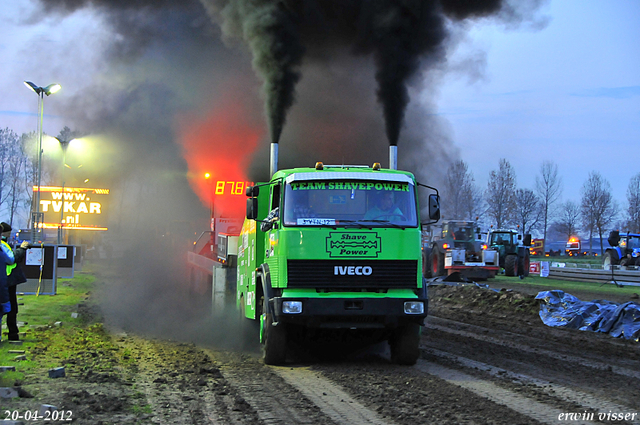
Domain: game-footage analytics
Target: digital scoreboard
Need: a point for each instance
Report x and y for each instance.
(224, 187)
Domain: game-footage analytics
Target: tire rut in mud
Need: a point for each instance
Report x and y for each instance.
(568, 376)
(291, 394)
(179, 383)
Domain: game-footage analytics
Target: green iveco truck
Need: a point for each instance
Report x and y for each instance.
(334, 250)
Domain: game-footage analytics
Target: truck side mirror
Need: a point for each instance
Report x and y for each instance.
(614, 238)
(252, 208)
(527, 240)
(252, 191)
(434, 207)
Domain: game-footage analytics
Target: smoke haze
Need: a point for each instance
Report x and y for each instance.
(330, 80)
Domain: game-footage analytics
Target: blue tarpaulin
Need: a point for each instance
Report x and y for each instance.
(618, 320)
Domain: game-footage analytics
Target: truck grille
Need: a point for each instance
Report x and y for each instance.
(351, 274)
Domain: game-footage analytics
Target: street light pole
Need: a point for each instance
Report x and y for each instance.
(64, 144)
(37, 218)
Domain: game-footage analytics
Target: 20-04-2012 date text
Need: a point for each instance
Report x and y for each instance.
(35, 415)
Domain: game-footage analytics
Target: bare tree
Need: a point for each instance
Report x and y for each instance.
(598, 207)
(66, 134)
(475, 206)
(15, 175)
(549, 189)
(500, 195)
(7, 139)
(568, 221)
(528, 210)
(633, 209)
(463, 197)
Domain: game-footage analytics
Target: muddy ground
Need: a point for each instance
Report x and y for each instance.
(124, 375)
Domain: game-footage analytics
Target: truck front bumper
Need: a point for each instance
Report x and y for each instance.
(356, 313)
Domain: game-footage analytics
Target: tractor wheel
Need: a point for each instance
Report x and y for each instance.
(437, 263)
(523, 265)
(610, 259)
(404, 344)
(511, 265)
(274, 338)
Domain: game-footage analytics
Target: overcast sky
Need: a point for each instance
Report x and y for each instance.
(568, 92)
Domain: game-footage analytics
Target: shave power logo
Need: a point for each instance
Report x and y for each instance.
(354, 244)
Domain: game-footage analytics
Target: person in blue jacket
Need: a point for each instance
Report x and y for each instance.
(15, 276)
(6, 259)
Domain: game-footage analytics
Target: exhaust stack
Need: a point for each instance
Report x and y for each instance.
(273, 165)
(393, 157)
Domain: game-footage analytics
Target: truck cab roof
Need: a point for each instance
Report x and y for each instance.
(343, 172)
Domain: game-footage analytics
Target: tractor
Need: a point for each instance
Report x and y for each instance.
(456, 248)
(624, 251)
(513, 252)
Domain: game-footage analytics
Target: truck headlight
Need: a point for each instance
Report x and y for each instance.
(292, 307)
(413, 307)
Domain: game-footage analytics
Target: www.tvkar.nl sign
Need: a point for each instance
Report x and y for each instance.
(75, 207)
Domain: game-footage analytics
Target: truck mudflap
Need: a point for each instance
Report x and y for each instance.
(359, 313)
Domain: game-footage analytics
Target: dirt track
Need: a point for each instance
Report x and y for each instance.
(486, 359)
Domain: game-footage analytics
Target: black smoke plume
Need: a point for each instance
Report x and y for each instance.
(403, 36)
(271, 30)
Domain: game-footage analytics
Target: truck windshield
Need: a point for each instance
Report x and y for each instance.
(346, 203)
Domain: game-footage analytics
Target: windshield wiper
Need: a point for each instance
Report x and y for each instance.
(387, 222)
(356, 222)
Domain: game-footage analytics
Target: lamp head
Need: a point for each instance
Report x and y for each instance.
(52, 88)
(37, 90)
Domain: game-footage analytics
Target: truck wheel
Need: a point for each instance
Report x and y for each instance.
(275, 340)
(523, 265)
(426, 265)
(404, 345)
(511, 265)
(610, 259)
(249, 330)
(437, 263)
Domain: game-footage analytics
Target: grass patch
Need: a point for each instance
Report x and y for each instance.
(597, 261)
(140, 410)
(566, 285)
(50, 336)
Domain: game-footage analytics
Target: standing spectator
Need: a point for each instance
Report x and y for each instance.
(15, 276)
(6, 258)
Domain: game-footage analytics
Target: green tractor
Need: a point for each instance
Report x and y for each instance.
(512, 249)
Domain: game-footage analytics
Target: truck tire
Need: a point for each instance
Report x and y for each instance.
(610, 259)
(511, 265)
(275, 340)
(249, 330)
(426, 265)
(404, 345)
(437, 263)
(523, 265)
